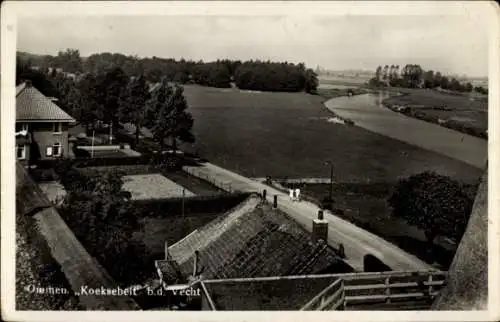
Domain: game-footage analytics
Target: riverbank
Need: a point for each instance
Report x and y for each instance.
(459, 112)
(368, 112)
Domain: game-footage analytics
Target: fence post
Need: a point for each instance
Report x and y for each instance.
(264, 193)
(344, 302)
(341, 251)
(387, 290)
(429, 279)
(275, 203)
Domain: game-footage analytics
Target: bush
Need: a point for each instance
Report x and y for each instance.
(434, 203)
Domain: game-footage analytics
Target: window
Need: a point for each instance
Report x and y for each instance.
(21, 127)
(57, 127)
(21, 151)
(49, 151)
(56, 149)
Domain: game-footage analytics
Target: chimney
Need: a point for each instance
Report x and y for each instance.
(320, 228)
(196, 259)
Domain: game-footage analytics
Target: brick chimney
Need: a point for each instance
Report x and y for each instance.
(196, 260)
(320, 228)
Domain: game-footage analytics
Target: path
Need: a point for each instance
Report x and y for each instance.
(367, 112)
(357, 242)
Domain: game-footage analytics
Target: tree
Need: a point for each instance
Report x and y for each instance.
(89, 109)
(311, 81)
(438, 79)
(386, 67)
(378, 73)
(99, 212)
(133, 104)
(39, 80)
(167, 113)
(109, 92)
(434, 203)
(69, 60)
(445, 83)
(429, 79)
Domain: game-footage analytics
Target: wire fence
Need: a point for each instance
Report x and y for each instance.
(201, 173)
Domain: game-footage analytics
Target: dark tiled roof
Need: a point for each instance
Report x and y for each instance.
(31, 105)
(253, 240)
(170, 272)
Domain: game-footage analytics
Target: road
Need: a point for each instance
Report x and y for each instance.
(366, 111)
(357, 242)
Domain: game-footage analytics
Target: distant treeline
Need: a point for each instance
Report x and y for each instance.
(413, 76)
(251, 75)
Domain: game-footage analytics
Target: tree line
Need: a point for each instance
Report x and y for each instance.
(112, 97)
(252, 75)
(413, 76)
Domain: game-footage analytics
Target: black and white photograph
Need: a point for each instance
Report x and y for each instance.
(249, 156)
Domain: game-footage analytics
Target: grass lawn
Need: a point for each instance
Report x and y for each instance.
(154, 232)
(288, 135)
(153, 186)
(470, 110)
(365, 205)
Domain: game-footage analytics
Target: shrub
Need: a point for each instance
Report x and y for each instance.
(434, 203)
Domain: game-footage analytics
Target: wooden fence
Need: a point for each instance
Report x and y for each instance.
(353, 290)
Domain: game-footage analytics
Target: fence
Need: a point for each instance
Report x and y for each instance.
(200, 173)
(329, 299)
(352, 290)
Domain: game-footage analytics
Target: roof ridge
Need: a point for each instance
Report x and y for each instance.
(20, 88)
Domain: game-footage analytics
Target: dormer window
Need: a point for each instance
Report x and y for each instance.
(57, 127)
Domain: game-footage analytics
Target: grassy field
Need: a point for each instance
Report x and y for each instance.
(470, 110)
(288, 135)
(366, 206)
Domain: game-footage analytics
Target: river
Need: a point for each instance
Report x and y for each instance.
(368, 112)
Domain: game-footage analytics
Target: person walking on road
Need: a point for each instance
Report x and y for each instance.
(297, 194)
(292, 194)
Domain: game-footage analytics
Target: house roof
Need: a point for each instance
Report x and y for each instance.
(249, 242)
(31, 105)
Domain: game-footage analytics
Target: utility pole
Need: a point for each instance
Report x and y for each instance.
(183, 197)
(331, 180)
(111, 133)
(93, 136)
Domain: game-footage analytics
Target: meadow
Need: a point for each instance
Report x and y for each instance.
(469, 110)
(287, 135)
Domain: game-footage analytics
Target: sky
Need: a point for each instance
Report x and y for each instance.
(450, 43)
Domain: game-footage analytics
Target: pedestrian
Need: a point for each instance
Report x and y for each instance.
(291, 194)
(297, 194)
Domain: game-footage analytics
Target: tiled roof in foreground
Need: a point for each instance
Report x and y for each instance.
(31, 105)
(253, 240)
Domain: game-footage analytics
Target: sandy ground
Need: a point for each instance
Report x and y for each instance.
(153, 186)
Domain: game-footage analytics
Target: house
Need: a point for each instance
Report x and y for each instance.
(41, 126)
(247, 242)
